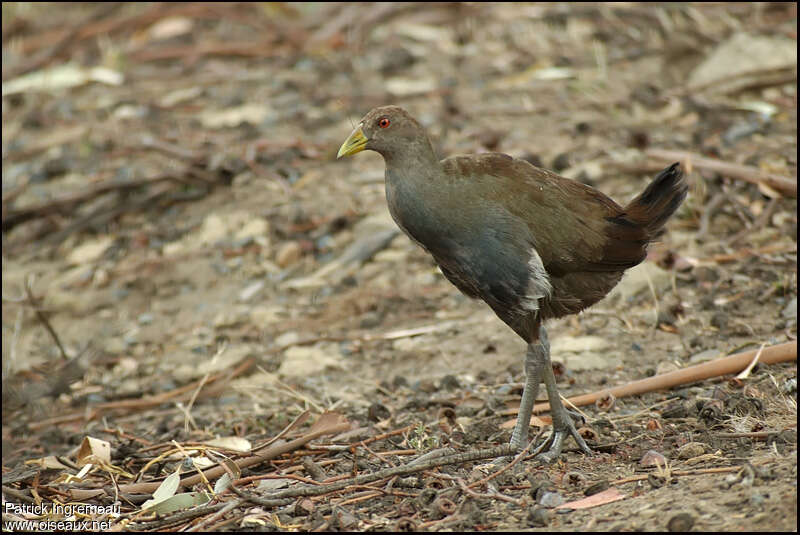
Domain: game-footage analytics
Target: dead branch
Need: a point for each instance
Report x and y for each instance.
(266, 455)
(147, 402)
(12, 217)
(35, 302)
(279, 498)
(782, 184)
(785, 352)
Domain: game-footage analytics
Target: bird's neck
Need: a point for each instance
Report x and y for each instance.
(416, 159)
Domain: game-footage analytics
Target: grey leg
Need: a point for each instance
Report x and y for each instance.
(535, 358)
(562, 423)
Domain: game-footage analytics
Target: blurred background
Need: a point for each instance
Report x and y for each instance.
(173, 211)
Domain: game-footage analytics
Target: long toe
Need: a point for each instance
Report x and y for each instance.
(563, 428)
(518, 442)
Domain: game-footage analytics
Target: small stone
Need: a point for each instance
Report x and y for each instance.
(653, 458)
(789, 386)
(399, 381)
(561, 162)
(378, 412)
(550, 499)
(343, 519)
(288, 253)
(691, 449)
(680, 523)
(596, 488)
(303, 507)
(449, 382)
(370, 320)
(539, 485)
(675, 410)
(719, 320)
(538, 516)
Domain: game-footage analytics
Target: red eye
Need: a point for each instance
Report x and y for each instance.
(384, 122)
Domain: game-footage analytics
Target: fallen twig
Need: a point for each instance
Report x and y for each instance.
(773, 248)
(754, 175)
(720, 470)
(281, 497)
(34, 302)
(245, 462)
(144, 403)
(15, 217)
(785, 352)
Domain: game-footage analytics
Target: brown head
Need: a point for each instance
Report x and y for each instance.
(390, 131)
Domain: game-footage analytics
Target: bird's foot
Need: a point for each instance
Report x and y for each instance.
(562, 427)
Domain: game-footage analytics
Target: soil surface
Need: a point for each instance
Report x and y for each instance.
(184, 259)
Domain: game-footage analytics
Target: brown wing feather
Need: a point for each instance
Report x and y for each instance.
(574, 227)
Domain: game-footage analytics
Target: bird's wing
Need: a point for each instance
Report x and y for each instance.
(574, 227)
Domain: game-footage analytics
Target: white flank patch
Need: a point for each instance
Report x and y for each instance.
(539, 285)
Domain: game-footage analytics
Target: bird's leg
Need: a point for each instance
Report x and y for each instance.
(535, 358)
(562, 422)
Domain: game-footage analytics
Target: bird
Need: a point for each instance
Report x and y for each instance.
(531, 244)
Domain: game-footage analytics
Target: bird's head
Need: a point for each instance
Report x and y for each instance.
(388, 130)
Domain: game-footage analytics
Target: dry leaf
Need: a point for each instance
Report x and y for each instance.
(601, 498)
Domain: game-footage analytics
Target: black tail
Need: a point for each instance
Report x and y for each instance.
(659, 200)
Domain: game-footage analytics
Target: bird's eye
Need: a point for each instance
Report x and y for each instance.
(384, 122)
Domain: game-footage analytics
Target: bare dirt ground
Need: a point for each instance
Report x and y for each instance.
(185, 260)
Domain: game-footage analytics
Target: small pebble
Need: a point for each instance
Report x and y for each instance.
(680, 522)
(449, 382)
(719, 320)
(691, 449)
(288, 254)
(790, 386)
(596, 488)
(343, 519)
(653, 458)
(538, 516)
(550, 499)
(378, 412)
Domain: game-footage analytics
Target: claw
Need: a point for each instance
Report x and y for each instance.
(556, 441)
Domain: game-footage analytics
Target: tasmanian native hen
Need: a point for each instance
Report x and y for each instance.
(532, 244)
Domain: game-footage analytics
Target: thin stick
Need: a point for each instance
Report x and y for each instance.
(39, 314)
(521, 454)
(287, 496)
(785, 352)
(754, 175)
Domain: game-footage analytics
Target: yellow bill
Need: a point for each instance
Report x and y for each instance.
(354, 143)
